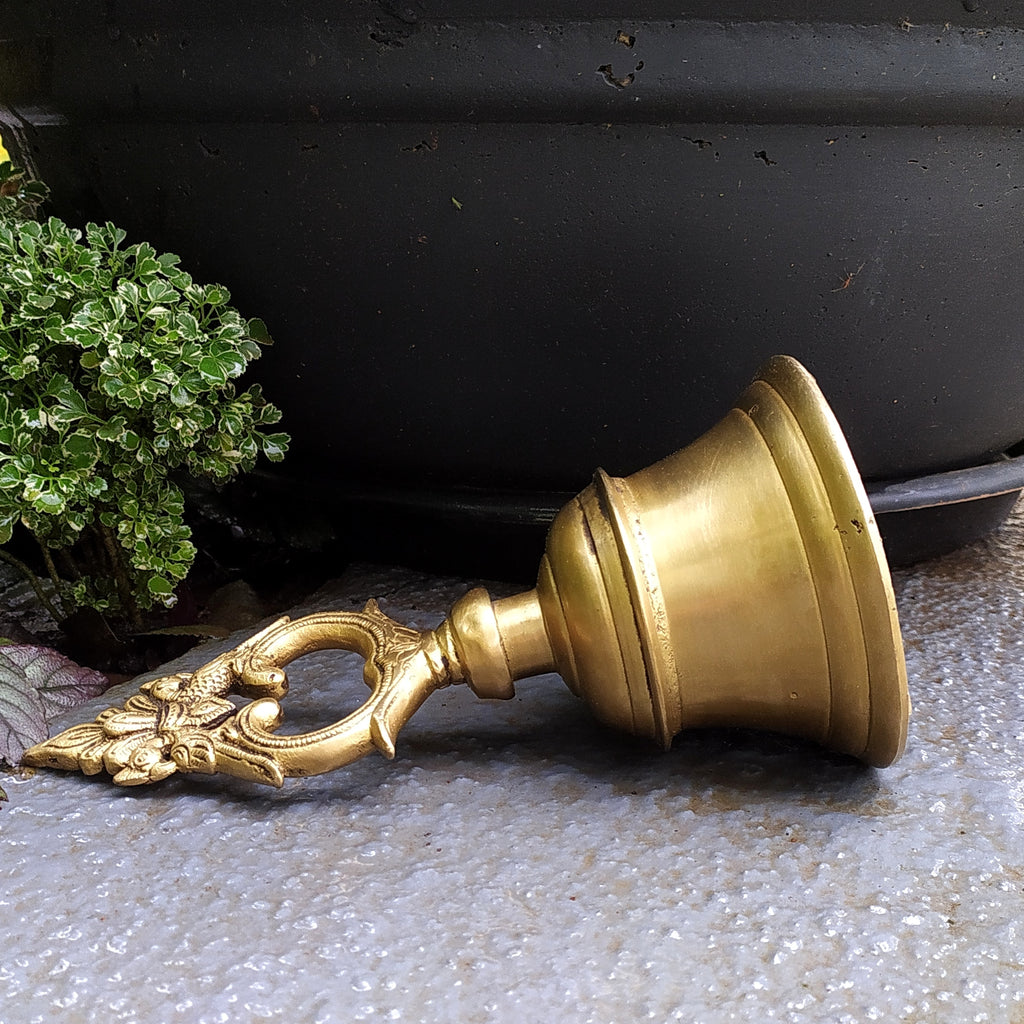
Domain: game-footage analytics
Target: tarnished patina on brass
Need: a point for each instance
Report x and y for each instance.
(740, 581)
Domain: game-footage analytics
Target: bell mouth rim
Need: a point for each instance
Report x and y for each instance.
(888, 695)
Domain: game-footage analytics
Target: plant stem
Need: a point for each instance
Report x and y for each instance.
(58, 583)
(124, 587)
(69, 563)
(36, 585)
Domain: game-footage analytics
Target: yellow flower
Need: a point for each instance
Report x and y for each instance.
(4, 155)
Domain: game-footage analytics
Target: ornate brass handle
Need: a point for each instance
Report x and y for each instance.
(184, 723)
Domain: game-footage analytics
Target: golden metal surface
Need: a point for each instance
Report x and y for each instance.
(740, 581)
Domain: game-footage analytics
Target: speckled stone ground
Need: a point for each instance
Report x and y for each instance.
(517, 862)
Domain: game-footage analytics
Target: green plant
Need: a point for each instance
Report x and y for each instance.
(117, 375)
(20, 195)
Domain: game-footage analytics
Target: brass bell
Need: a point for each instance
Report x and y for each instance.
(739, 582)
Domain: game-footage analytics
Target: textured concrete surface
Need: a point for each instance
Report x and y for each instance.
(517, 862)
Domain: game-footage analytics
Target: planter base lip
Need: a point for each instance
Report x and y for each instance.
(527, 506)
(1002, 476)
(919, 518)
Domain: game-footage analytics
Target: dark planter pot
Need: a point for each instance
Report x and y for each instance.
(498, 252)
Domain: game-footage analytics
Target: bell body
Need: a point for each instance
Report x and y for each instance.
(740, 581)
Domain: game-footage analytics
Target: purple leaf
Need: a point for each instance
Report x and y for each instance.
(22, 719)
(36, 685)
